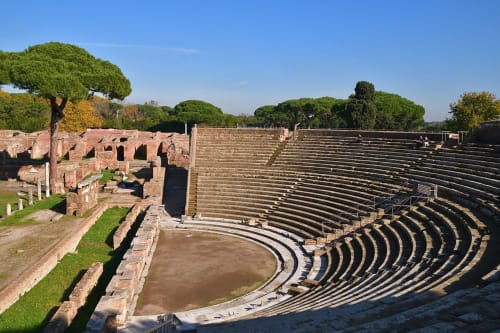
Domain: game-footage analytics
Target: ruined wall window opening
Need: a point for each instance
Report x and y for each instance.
(120, 153)
(141, 153)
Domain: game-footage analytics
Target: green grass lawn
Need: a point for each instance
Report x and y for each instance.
(55, 202)
(34, 309)
(106, 176)
(5, 198)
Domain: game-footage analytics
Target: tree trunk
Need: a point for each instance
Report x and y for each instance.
(56, 116)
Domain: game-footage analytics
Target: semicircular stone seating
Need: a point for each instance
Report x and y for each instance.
(377, 252)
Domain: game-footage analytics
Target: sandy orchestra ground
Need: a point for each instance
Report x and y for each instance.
(194, 269)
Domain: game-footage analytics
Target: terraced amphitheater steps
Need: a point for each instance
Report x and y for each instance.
(323, 153)
(449, 313)
(276, 153)
(468, 174)
(404, 263)
(193, 192)
(468, 310)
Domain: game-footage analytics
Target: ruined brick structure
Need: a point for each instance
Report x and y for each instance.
(83, 197)
(86, 153)
(154, 188)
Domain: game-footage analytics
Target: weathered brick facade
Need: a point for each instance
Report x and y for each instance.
(86, 153)
(83, 197)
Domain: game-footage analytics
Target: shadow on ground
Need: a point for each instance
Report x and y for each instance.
(174, 194)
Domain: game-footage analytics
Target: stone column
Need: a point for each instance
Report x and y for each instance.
(30, 197)
(20, 204)
(47, 181)
(39, 190)
(8, 209)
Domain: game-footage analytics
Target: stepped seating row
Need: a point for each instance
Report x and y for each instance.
(238, 194)
(464, 173)
(240, 132)
(324, 154)
(487, 172)
(324, 205)
(307, 205)
(344, 168)
(236, 148)
(331, 182)
(466, 310)
(371, 146)
(419, 251)
(337, 166)
(236, 160)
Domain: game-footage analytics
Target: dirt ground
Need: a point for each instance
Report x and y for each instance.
(21, 245)
(195, 269)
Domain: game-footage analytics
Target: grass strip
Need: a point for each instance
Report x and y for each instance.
(107, 175)
(6, 198)
(34, 309)
(56, 203)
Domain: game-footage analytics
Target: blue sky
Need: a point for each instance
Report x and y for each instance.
(239, 55)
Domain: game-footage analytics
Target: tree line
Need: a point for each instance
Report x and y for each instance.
(31, 113)
(365, 109)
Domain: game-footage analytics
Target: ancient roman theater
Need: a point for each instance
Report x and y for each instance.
(269, 230)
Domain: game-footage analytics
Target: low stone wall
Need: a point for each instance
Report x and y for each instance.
(69, 172)
(64, 316)
(125, 226)
(85, 285)
(394, 135)
(124, 287)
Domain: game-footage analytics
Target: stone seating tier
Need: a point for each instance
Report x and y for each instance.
(394, 235)
(453, 186)
(484, 181)
(424, 247)
(366, 148)
(221, 191)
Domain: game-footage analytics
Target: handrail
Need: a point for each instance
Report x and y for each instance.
(163, 326)
(346, 214)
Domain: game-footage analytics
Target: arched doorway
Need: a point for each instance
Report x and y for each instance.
(141, 153)
(120, 151)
